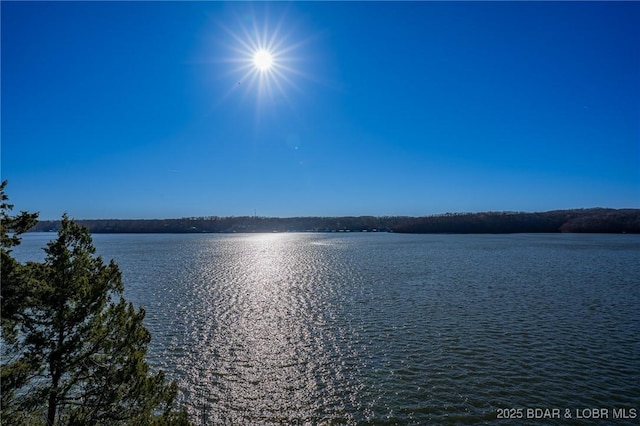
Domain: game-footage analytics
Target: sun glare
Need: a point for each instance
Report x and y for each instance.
(267, 54)
(262, 60)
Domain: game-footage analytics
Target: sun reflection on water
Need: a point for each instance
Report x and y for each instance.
(263, 349)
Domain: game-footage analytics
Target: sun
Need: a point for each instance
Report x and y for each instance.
(269, 56)
(263, 60)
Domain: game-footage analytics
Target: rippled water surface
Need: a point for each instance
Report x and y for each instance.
(386, 328)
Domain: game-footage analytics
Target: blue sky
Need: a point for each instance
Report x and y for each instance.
(155, 109)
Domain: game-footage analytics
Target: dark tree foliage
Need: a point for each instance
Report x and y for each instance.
(234, 224)
(602, 220)
(13, 296)
(580, 220)
(75, 351)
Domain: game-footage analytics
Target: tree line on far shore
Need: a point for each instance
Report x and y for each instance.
(595, 220)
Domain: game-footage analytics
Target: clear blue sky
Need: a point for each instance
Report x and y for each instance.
(155, 110)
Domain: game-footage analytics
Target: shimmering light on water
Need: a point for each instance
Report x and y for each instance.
(387, 329)
(267, 351)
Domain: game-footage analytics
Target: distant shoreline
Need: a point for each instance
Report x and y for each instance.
(593, 220)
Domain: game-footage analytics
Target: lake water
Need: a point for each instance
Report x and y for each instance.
(388, 328)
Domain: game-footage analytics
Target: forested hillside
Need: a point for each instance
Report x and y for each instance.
(580, 220)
